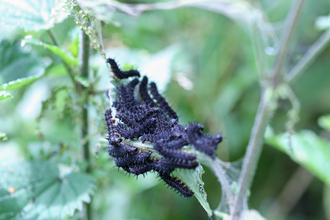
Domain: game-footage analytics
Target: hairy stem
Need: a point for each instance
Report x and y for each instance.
(287, 33)
(83, 71)
(265, 110)
(253, 151)
(309, 57)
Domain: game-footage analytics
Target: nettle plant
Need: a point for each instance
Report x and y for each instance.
(144, 133)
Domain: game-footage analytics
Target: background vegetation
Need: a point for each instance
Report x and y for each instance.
(204, 62)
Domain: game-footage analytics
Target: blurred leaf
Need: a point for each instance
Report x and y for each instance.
(307, 149)
(324, 122)
(193, 179)
(250, 18)
(18, 62)
(22, 82)
(74, 47)
(3, 137)
(31, 14)
(55, 49)
(251, 214)
(237, 9)
(34, 190)
(82, 80)
(323, 22)
(222, 215)
(5, 95)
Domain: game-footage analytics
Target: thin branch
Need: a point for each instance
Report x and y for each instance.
(287, 33)
(220, 173)
(83, 71)
(318, 47)
(67, 67)
(253, 151)
(291, 193)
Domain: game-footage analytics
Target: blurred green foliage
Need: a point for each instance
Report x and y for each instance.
(213, 80)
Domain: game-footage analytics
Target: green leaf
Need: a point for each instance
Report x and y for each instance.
(74, 47)
(35, 190)
(251, 214)
(307, 149)
(18, 62)
(3, 137)
(56, 50)
(82, 80)
(324, 122)
(193, 179)
(5, 95)
(22, 82)
(237, 9)
(222, 215)
(31, 14)
(323, 22)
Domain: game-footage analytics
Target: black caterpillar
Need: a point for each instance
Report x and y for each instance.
(153, 120)
(119, 73)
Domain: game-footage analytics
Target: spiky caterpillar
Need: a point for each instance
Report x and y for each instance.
(161, 101)
(129, 121)
(203, 143)
(173, 154)
(130, 91)
(186, 164)
(138, 115)
(113, 134)
(134, 158)
(119, 73)
(176, 184)
(136, 131)
(154, 137)
(120, 150)
(167, 135)
(144, 92)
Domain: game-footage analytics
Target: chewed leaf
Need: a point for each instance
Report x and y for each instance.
(193, 179)
(26, 188)
(307, 149)
(5, 95)
(56, 50)
(32, 14)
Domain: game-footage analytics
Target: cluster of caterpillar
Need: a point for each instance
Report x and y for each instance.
(152, 119)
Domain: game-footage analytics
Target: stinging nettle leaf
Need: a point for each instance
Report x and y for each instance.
(55, 49)
(31, 14)
(193, 179)
(22, 82)
(35, 190)
(5, 95)
(307, 149)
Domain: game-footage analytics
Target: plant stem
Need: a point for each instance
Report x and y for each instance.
(287, 33)
(265, 110)
(317, 48)
(67, 67)
(253, 151)
(83, 71)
